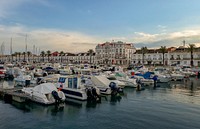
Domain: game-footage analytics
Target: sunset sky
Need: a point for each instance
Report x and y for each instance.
(79, 25)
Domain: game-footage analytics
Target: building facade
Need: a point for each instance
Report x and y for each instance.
(173, 56)
(118, 53)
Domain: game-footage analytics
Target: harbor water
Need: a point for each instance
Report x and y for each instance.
(175, 105)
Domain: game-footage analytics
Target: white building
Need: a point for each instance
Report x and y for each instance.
(84, 58)
(173, 56)
(114, 53)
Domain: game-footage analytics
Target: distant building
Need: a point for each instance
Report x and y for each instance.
(173, 56)
(119, 53)
(84, 58)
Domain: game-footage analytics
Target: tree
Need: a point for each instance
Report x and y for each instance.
(28, 54)
(19, 55)
(48, 54)
(191, 50)
(163, 51)
(15, 54)
(24, 53)
(90, 51)
(42, 54)
(144, 51)
(61, 54)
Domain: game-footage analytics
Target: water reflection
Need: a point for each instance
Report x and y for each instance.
(34, 107)
(112, 99)
(75, 103)
(22, 106)
(189, 86)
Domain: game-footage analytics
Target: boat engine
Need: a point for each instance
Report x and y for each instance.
(92, 94)
(115, 89)
(56, 96)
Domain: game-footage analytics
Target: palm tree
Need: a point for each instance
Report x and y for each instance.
(61, 54)
(90, 51)
(144, 51)
(191, 50)
(19, 54)
(15, 54)
(48, 54)
(24, 53)
(163, 51)
(12, 55)
(42, 54)
(28, 54)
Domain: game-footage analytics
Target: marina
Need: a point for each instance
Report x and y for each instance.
(168, 106)
(99, 64)
(145, 104)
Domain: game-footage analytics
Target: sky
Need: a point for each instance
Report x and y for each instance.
(79, 25)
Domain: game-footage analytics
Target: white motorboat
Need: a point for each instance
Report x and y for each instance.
(104, 85)
(73, 88)
(162, 77)
(45, 93)
(120, 83)
(64, 70)
(142, 80)
(188, 72)
(129, 82)
(177, 77)
(24, 80)
(39, 73)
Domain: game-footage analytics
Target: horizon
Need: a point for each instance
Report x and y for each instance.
(77, 26)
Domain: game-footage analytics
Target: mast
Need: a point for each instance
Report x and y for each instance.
(2, 51)
(33, 52)
(11, 48)
(26, 44)
(183, 43)
(26, 47)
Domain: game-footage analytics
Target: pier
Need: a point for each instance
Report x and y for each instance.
(14, 94)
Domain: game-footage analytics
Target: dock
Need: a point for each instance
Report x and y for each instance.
(14, 94)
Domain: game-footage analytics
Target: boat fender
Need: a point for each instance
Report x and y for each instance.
(60, 87)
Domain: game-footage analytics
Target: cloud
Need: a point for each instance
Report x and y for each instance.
(167, 39)
(145, 37)
(46, 39)
(71, 41)
(162, 28)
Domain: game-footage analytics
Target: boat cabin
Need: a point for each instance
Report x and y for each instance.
(69, 82)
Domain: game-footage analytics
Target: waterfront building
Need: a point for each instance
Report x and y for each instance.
(173, 56)
(85, 57)
(119, 53)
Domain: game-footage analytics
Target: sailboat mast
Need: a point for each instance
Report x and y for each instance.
(11, 49)
(25, 47)
(26, 44)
